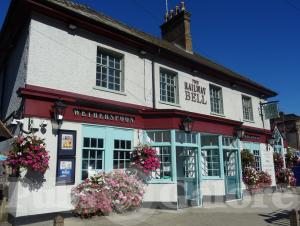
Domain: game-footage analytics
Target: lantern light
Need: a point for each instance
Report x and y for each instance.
(59, 109)
(240, 132)
(187, 124)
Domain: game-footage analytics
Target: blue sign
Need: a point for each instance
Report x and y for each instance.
(65, 171)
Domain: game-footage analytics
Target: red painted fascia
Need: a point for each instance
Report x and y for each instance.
(152, 118)
(39, 92)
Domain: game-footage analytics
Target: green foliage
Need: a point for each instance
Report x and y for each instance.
(291, 159)
(247, 159)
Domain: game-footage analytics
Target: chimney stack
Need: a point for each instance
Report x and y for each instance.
(176, 28)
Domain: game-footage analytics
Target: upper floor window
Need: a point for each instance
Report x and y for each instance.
(216, 99)
(109, 71)
(168, 86)
(247, 108)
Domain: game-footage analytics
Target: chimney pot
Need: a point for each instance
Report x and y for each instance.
(182, 6)
(176, 28)
(166, 16)
(177, 10)
(171, 13)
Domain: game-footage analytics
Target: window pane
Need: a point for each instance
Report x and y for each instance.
(247, 108)
(216, 99)
(210, 162)
(84, 175)
(92, 158)
(85, 153)
(166, 136)
(110, 69)
(100, 143)
(92, 154)
(86, 142)
(92, 164)
(85, 164)
(128, 144)
(93, 142)
(123, 156)
(209, 140)
(165, 170)
(168, 86)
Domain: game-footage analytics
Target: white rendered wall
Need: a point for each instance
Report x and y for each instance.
(161, 193)
(49, 198)
(212, 187)
(267, 162)
(66, 60)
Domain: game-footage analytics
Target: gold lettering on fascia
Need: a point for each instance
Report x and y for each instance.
(195, 92)
(104, 116)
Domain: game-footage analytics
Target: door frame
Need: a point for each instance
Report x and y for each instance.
(238, 173)
(197, 173)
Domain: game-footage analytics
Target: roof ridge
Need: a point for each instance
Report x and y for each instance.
(99, 17)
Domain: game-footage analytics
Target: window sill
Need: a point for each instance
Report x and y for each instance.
(213, 178)
(171, 104)
(161, 181)
(217, 114)
(250, 121)
(109, 90)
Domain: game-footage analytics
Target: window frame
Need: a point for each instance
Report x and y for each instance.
(114, 54)
(257, 158)
(125, 150)
(251, 147)
(218, 147)
(174, 74)
(249, 109)
(155, 144)
(85, 148)
(220, 100)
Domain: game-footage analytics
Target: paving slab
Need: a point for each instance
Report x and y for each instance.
(258, 210)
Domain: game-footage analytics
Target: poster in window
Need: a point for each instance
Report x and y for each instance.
(65, 171)
(66, 143)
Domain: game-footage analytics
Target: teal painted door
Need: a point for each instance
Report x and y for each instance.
(186, 165)
(231, 174)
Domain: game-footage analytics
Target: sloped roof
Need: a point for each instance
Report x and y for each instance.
(85, 12)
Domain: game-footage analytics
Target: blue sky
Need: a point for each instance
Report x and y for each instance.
(258, 38)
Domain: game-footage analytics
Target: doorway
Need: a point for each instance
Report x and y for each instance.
(187, 177)
(231, 174)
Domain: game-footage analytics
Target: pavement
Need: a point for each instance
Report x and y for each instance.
(258, 210)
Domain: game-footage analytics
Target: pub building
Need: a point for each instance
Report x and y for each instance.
(95, 88)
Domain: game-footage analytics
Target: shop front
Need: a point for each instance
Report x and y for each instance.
(200, 162)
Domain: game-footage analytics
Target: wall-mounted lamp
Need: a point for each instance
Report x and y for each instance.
(59, 109)
(240, 132)
(187, 124)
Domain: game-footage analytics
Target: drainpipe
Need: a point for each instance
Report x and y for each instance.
(153, 86)
(153, 78)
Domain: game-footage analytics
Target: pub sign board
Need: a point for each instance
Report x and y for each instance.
(195, 92)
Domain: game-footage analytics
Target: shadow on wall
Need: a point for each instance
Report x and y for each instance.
(33, 180)
(15, 75)
(280, 218)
